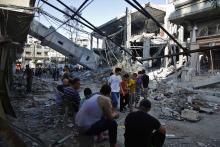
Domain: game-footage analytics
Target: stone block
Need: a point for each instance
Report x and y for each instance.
(190, 115)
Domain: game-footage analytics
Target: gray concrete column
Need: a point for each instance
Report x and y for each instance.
(194, 60)
(166, 52)
(146, 52)
(97, 43)
(127, 29)
(91, 41)
(181, 40)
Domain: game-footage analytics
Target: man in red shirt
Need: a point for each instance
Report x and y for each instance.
(124, 92)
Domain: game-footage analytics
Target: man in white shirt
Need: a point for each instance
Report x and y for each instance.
(115, 81)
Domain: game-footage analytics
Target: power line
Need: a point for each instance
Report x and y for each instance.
(77, 11)
(98, 31)
(92, 28)
(60, 21)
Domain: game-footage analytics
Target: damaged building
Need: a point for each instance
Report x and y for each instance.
(178, 48)
(18, 13)
(201, 22)
(141, 36)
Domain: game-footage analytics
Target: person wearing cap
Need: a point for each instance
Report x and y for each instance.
(142, 129)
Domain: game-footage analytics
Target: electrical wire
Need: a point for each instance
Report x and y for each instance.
(89, 25)
(99, 31)
(146, 14)
(60, 21)
(77, 11)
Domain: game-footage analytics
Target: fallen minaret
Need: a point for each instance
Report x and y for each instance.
(49, 37)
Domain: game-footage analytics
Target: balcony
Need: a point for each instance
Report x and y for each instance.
(193, 10)
(23, 3)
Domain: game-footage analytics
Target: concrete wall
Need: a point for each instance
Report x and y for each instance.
(23, 3)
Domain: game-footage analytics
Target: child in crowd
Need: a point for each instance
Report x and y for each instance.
(87, 94)
(124, 93)
(132, 90)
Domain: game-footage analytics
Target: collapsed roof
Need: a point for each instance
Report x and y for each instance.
(139, 23)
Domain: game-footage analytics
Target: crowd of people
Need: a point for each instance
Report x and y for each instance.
(97, 111)
(46, 73)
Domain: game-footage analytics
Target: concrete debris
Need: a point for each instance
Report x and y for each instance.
(70, 125)
(177, 103)
(207, 82)
(190, 115)
(206, 110)
(201, 144)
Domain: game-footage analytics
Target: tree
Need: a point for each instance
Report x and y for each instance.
(73, 25)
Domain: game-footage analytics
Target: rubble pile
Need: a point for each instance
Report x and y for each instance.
(40, 86)
(37, 114)
(180, 103)
(99, 76)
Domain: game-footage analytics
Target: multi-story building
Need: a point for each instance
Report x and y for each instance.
(83, 42)
(201, 22)
(34, 53)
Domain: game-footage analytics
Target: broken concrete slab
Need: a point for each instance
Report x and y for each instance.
(211, 98)
(190, 115)
(207, 82)
(206, 110)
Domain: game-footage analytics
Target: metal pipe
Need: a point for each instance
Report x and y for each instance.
(182, 53)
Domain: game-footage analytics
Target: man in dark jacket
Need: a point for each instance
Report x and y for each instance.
(29, 75)
(145, 82)
(142, 129)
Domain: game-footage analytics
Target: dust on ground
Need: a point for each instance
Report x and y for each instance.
(37, 115)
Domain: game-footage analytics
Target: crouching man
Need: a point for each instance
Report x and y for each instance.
(96, 115)
(142, 129)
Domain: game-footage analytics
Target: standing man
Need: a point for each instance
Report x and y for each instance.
(115, 81)
(66, 72)
(96, 116)
(29, 75)
(145, 82)
(139, 88)
(142, 129)
(71, 96)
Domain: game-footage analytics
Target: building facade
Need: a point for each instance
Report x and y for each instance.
(34, 53)
(201, 22)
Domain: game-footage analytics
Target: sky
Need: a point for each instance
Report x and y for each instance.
(98, 12)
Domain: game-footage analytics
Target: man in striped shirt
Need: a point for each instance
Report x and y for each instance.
(71, 96)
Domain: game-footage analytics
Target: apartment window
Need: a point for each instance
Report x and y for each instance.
(28, 53)
(218, 28)
(27, 45)
(38, 53)
(203, 32)
(211, 29)
(39, 46)
(46, 53)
